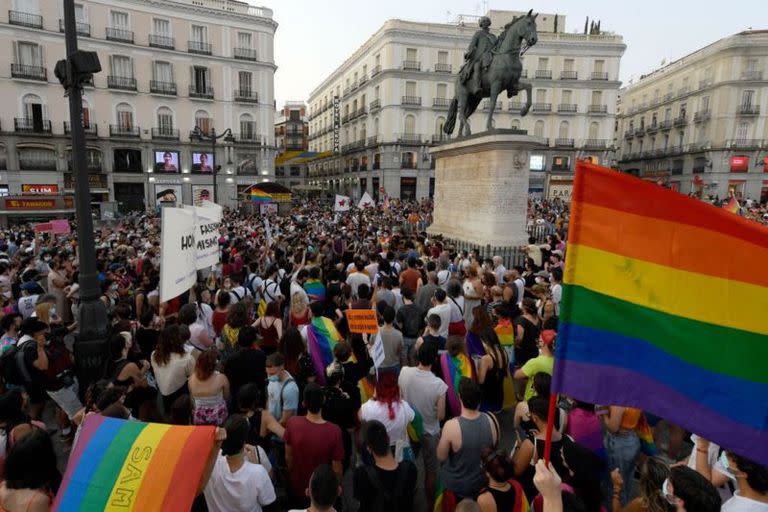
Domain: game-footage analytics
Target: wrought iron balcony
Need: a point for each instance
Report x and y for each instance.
(158, 87)
(599, 75)
(669, 96)
(597, 109)
(200, 91)
(165, 133)
(25, 19)
(683, 91)
(30, 125)
(680, 121)
(412, 65)
(159, 41)
(751, 74)
(124, 83)
(674, 150)
(701, 116)
(90, 129)
(118, 130)
(744, 143)
(703, 84)
(569, 75)
(595, 144)
(515, 106)
(199, 47)
(82, 29)
(120, 35)
(640, 132)
(411, 100)
(376, 70)
(543, 74)
(542, 107)
(363, 80)
(567, 108)
(665, 124)
(37, 164)
(246, 95)
(409, 138)
(372, 140)
(564, 143)
(441, 102)
(749, 110)
(246, 54)
(29, 72)
(443, 68)
(652, 128)
(629, 134)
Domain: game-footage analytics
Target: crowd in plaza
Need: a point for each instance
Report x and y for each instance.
(452, 417)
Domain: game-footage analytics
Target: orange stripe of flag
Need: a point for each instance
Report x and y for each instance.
(690, 248)
(188, 470)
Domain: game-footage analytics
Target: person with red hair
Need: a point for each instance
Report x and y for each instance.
(387, 407)
(209, 390)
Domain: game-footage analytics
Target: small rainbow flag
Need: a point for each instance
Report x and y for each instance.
(315, 290)
(416, 428)
(259, 196)
(645, 434)
(454, 368)
(134, 466)
(506, 332)
(322, 336)
(668, 325)
(732, 206)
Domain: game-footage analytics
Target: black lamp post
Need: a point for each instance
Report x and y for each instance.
(213, 138)
(92, 322)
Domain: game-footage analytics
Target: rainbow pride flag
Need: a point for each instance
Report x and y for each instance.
(454, 368)
(315, 290)
(134, 466)
(259, 196)
(732, 206)
(322, 336)
(664, 309)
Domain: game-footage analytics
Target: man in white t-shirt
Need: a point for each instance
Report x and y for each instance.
(442, 309)
(358, 277)
(31, 292)
(271, 291)
(752, 480)
(426, 393)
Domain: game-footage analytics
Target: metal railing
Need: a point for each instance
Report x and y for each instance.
(569, 75)
(744, 143)
(165, 133)
(200, 91)
(372, 140)
(567, 108)
(29, 72)
(598, 109)
(409, 138)
(158, 41)
(665, 124)
(749, 110)
(595, 144)
(246, 95)
(25, 19)
(246, 54)
(443, 68)
(652, 128)
(37, 164)
(544, 74)
(411, 100)
(376, 70)
(124, 83)
(564, 143)
(599, 75)
(158, 87)
(118, 130)
(199, 47)
(82, 29)
(89, 129)
(441, 102)
(374, 105)
(30, 125)
(751, 74)
(412, 65)
(119, 34)
(701, 116)
(680, 121)
(542, 107)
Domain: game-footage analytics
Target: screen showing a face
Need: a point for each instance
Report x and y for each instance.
(537, 163)
(166, 161)
(202, 162)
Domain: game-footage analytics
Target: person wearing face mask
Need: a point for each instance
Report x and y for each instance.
(688, 491)
(752, 480)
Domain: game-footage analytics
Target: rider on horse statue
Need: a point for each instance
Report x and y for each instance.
(478, 56)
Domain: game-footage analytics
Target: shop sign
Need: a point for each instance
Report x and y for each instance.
(47, 189)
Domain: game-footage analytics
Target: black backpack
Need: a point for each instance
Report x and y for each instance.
(13, 368)
(388, 499)
(285, 287)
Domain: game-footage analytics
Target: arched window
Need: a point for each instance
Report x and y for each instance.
(203, 121)
(515, 124)
(247, 127)
(594, 130)
(165, 121)
(35, 114)
(124, 116)
(538, 128)
(410, 125)
(564, 130)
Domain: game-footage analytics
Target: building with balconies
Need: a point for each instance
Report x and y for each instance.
(699, 124)
(291, 138)
(167, 68)
(379, 130)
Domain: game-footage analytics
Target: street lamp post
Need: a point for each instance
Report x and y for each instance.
(92, 321)
(213, 138)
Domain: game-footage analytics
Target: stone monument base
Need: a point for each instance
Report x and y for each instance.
(481, 188)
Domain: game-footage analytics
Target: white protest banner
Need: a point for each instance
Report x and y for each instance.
(207, 222)
(177, 256)
(366, 202)
(342, 203)
(377, 351)
(268, 232)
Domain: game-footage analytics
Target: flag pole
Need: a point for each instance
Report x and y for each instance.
(550, 426)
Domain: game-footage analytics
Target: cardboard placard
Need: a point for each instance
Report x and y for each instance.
(362, 321)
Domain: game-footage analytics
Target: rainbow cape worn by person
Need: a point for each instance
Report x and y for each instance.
(322, 336)
(134, 466)
(315, 290)
(454, 368)
(663, 309)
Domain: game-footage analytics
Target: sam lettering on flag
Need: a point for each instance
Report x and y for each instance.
(638, 333)
(342, 203)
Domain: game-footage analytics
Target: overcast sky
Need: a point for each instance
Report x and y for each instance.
(315, 36)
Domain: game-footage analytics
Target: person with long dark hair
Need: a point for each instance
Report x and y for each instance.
(31, 475)
(492, 371)
(172, 366)
(503, 493)
(651, 499)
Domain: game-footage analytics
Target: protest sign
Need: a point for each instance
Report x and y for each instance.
(178, 271)
(207, 222)
(362, 321)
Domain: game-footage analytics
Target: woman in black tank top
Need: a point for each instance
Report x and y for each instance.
(493, 369)
(503, 493)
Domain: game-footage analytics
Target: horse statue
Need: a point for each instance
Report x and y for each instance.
(503, 74)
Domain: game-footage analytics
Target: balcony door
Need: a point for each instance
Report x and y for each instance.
(200, 79)
(29, 54)
(244, 79)
(34, 111)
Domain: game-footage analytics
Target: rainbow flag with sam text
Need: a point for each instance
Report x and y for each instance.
(134, 466)
(663, 309)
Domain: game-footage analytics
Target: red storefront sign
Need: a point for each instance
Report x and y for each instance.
(30, 204)
(739, 163)
(42, 189)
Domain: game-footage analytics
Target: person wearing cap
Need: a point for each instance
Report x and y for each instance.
(545, 362)
(35, 363)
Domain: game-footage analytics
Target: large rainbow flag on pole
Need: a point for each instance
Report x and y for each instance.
(664, 309)
(134, 466)
(259, 196)
(322, 336)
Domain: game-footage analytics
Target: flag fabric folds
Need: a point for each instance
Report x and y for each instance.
(732, 206)
(454, 368)
(366, 202)
(322, 336)
(259, 196)
(663, 309)
(342, 203)
(134, 466)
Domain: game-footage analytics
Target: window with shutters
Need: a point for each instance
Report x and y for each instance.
(747, 98)
(119, 20)
(742, 130)
(538, 128)
(34, 108)
(86, 113)
(161, 27)
(244, 81)
(594, 130)
(704, 104)
(244, 40)
(27, 6)
(199, 34)
(165, 120)
(247, 127)
(200, 79)
(442, 57)
(597, 97)
(29, 54)
(203, 121)
(543, 63)
(541, 95)
(80, 14)
(124, 115)
(442, 91)
(410, 124)
(162, 71)
(411, 54)
(122, 66)
(410, 88)
(599, 66)
(564, 130)
(568, 65)
(567, 97)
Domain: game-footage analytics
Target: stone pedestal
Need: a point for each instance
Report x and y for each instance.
(481, 188)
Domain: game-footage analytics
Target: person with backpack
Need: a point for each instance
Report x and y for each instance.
(30, 363)
(272, 289)
(386, 485)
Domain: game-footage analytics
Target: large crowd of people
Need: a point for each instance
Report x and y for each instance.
(451, 417)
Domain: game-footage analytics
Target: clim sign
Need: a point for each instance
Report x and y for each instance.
(38, 189)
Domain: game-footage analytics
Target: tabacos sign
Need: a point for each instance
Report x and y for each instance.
(51, 189)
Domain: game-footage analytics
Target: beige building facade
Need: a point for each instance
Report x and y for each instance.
(170, 71)
(699, 124)
(393, 94)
